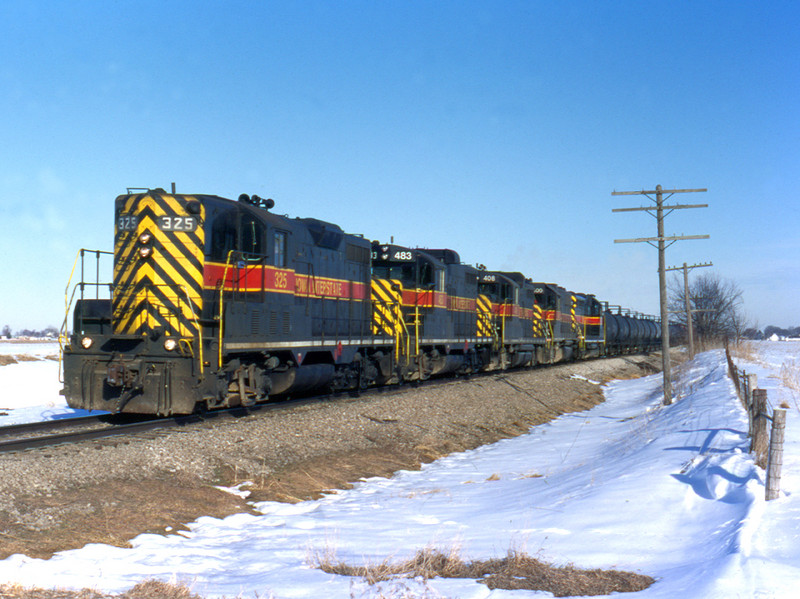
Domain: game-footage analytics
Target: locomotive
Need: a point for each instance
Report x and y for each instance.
(221, 303)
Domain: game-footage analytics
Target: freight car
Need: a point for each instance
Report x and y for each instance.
(220, 303)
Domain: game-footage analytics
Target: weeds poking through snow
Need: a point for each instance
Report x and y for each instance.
(790, 375)
(745, 351)
(515, 571)
(149, 589)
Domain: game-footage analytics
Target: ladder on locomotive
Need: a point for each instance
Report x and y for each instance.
(389, 320)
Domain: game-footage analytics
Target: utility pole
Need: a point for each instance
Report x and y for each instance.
(689, 311)
(661, 240)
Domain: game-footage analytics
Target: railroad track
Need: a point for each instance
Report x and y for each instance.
(20, 437)
(51, 433)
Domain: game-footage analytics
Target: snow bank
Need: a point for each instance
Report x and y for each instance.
(666, 491)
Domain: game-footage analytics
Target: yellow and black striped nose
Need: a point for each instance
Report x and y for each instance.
(387, 301)
(158, 264)
(485, 317)
(538, 321)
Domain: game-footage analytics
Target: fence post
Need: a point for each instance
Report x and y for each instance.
(751, 383)
(775, 453)
(759, 441)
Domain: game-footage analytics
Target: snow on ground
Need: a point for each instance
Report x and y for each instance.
(29, 389)
(631, 484)
(31, 349)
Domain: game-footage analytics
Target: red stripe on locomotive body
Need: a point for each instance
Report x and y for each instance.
(590, 320)
(424, 298)
(427, 298)
(512, 311)
(280, 280)
(306, 285)
(557, 316)
(505, 310)
(462, 304)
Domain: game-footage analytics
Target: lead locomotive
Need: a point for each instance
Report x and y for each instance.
(218, 303)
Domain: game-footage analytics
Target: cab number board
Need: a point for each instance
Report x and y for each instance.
(127, 222)
(399, 256)
(177, 223)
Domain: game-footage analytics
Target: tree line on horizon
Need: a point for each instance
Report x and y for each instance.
(47, 333)
(791, 332)
(717, 312)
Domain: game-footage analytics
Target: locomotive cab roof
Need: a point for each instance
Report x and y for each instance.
(443, 255)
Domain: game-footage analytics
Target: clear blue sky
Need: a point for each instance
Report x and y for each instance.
(498, 129)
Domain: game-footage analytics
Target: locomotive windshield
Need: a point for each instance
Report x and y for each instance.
(410, 267)
(410, 274)
(545, 299)
(497, 288)
(405, 272)
(497, 292)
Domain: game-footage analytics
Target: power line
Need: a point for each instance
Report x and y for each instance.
(660, 242)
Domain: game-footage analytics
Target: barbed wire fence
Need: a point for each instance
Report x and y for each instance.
(767, 446)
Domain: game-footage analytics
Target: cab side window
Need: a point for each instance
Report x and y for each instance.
(425, 274)
(252, 237)
(223, 236)
(279, 239)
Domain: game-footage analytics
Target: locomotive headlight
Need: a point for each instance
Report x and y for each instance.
(86, 342)
(170, 344)
(145, 249)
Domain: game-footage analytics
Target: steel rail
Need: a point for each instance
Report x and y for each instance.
(48, 425)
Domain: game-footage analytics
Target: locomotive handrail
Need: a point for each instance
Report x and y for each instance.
(80, 255)
(416, 331)
(503, 324)
(228, 263)
(62, 333)
(406, 338)
(221, 301)
(69, 298)
(196, 321)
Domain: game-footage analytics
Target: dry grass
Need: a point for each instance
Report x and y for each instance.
(530, 474)
(149, 589)
(746, 351)
(5, 360)
(515, 571)
(790, 375)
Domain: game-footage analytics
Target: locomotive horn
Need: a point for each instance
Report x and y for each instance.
(244, 198)
(265, 204)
